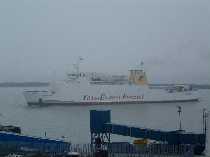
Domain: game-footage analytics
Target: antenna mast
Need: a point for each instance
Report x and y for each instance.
(77, 66)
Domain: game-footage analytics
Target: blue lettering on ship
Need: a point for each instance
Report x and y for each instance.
(104, 97)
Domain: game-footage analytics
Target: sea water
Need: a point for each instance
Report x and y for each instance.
(71, 123)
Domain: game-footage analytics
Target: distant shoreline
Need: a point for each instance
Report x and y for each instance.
(24, 84)
(45, 84)
(194, 86)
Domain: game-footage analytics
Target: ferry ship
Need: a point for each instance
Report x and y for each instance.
(99, 89)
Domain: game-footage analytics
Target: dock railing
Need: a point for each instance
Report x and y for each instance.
(130, 150)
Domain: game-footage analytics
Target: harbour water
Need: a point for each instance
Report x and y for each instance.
(72, 122)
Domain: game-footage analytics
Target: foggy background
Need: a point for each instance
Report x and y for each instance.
(41, 39)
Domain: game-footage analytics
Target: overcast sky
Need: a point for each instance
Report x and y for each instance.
(41, 39)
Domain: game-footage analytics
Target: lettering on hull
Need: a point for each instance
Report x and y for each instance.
(104, 97)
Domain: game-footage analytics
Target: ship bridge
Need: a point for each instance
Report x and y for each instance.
(138, 75)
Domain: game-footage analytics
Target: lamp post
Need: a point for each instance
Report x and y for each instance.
(205, 116)
(179, 112)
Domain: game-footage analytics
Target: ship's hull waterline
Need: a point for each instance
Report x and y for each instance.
(106, 103)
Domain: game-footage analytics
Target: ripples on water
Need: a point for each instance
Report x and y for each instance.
(73, 121)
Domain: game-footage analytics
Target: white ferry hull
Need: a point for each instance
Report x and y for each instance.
(78, 94)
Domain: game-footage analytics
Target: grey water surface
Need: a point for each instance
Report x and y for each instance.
(72, 122)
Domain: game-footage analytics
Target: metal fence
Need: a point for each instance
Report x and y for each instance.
(130, 150)
(52, 149)
(114, 150)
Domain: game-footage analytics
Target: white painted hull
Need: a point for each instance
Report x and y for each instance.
(83, 93)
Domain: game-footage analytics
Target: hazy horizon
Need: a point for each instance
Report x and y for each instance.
(40, 40)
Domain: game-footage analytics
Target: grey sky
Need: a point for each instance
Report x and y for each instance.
(39, 38)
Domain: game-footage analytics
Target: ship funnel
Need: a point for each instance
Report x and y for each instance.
(138, 75)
